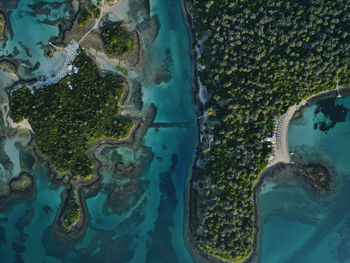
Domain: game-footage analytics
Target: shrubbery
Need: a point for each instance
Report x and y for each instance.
(72, 213)
(118, 42)
(84, 18)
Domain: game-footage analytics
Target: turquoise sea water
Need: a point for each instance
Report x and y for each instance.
(296, 225)
(150, 227)
(30, 33)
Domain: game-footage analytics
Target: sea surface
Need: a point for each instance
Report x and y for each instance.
(296, 225)
(152, 226)
(30, 33)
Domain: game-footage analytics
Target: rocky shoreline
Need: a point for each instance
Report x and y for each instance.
(4, 25)
(21, 188)
(8, 6)
(8, 66)
(297, 172)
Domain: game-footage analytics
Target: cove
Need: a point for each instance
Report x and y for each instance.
(296, 225)
(153, 229)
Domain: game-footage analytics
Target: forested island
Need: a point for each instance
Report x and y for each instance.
(256, 59)
(66, 117)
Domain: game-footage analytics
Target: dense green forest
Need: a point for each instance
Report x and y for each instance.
(72, 212)
(260, 57)
(118, 42)
(66, 117)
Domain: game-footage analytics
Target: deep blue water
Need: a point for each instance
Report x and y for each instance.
(151, 228)
(296, 225)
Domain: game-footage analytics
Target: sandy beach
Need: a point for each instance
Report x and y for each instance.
(280, 152)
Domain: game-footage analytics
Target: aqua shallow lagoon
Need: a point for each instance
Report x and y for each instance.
(296, 225)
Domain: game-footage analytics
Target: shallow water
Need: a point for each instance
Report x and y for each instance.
(296, 225)
(151, 227)
(29, 32)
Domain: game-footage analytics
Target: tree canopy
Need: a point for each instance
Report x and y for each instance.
(118, 42)
(260, 57)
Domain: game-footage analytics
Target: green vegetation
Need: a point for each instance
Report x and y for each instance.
(88, 13)
(2, 26)
(94, 10)
(261, 57)
(122, 70)
(66, 117)
(72, 212)
(84, 18)
(118, 42)
(194, 201)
